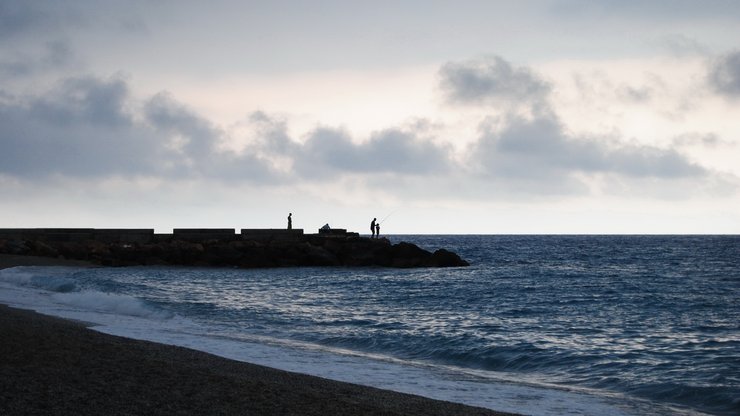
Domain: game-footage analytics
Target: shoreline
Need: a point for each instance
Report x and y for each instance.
(51, 365)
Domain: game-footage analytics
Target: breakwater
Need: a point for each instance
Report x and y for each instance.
(220, 247)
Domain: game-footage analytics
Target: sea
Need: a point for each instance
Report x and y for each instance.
(537, 325)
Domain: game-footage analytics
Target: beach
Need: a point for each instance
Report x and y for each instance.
(50, 365)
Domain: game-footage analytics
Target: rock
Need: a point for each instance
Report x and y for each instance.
(408, 255)
(319, 256)
(19, 247)
(73, 250)
(446, 258)
(39, 248)
(221, 254)
(309, 250)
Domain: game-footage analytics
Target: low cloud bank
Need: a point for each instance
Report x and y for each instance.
(88, 127)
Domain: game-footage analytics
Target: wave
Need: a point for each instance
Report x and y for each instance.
(65, 289)
(111, 303)
(53, 279)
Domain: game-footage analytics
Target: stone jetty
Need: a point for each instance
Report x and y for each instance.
(220, 247)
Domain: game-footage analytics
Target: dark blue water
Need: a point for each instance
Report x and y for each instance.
(647, 317)
(653, 316)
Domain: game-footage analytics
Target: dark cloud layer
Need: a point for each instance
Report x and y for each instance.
(86, 127)
(331, 151)
(92, 128)
(724, 75)
(53, 55)
(170, 118)
(84, 101)
(20, 16)
(540, 154)
(491, 81)
(80, 128)
(89, 127)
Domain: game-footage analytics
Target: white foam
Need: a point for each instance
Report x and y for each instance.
(109, 303)
(20, 276)
(420, 380)
(48, 278)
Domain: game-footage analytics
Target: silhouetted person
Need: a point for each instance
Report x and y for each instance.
(290, 221)
(377, 230)
(372, 227)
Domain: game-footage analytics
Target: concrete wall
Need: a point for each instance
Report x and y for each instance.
(263, 234)
(147, 235)
(105, 235)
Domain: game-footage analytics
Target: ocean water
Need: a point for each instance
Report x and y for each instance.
(542, 325)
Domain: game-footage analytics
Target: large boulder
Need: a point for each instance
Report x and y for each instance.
(40, 248)
(445, 258)
(222, 254)
(20, 247)
(408, 255)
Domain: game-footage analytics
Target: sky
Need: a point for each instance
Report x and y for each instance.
(436, 117)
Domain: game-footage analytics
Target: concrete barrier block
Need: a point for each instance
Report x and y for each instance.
(267, 234)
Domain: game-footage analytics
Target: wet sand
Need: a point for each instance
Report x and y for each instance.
(54, 366)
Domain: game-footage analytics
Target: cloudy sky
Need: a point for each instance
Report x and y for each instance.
(558, 116)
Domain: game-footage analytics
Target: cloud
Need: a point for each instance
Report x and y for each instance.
(190, 134)
(91, 128)
(84, 100)
(539, 155)
(331, 151)
(492, 81)
(80, 128)
(634, 94)
(682, 46)
(708, 140)
(724, 75)
(18, 17)
(271, 135)
(53, 55)
(532, 152)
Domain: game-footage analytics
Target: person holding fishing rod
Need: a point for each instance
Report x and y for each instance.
(375, 225)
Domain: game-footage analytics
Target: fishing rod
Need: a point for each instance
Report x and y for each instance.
(386, 217)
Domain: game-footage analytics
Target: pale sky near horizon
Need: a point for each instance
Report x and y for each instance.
(557, 116)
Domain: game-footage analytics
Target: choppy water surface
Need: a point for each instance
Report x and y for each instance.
(652, 322)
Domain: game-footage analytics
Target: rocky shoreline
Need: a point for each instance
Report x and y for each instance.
(299, 250)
